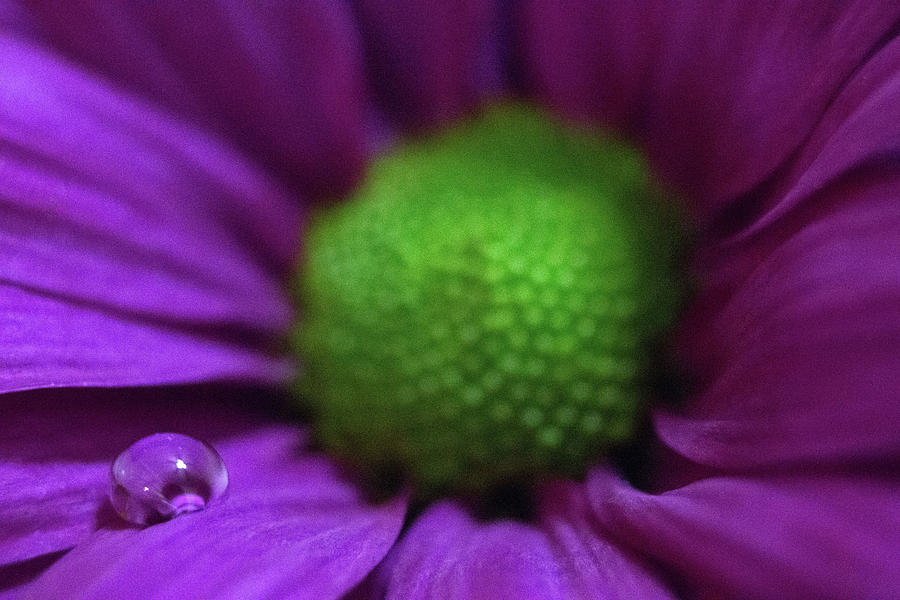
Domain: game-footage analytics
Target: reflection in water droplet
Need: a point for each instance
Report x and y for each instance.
(165, 475)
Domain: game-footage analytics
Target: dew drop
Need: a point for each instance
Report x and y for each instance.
(165, 475)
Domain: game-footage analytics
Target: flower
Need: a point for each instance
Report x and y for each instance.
(151, 160)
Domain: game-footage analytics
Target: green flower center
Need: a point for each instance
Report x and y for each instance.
(483, 311)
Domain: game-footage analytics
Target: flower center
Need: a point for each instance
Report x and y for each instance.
(483, 311)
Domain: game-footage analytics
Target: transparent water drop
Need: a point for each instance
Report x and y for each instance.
(165, 475)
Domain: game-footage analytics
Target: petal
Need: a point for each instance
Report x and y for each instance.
(291, 526)
(719, 94)
(307, 536)
(803, 536)
(270, 545)
(794, 336)
(431, 62)
(56, 447)
(859, 132)
(447, 554)
(596, 567)
(799, 363)
(285, 82)
(46, 508)
(15, 576)
(135, 248)
(14, 17)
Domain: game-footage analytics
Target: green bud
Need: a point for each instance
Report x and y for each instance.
(483, 311)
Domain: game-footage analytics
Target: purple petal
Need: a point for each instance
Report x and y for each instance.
(267, 546)
(291, 524)
(56, 447)
(135, 248)
(447, 554)
(859, 134)
(306, 534)
(799, 363)
(804, 536)
(720, 94)
(595, 567)
(794, 336)
(14, 577)
(283, 81)
(430, 63)
(14, 17)
(47, 507)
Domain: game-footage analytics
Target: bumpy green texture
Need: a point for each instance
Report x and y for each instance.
(483, 311)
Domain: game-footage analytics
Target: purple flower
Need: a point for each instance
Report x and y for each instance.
(156, 160)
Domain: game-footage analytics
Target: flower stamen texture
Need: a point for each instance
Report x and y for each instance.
(483, 310)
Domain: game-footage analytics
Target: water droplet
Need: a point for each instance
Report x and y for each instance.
(165, 475)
